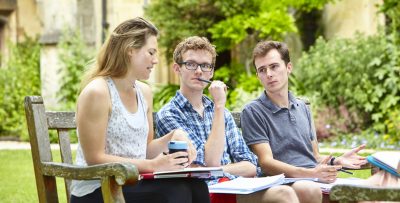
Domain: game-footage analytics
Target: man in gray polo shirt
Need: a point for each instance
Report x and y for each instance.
(278, 127)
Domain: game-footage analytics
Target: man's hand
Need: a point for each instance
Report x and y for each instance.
(218, 91)
(351, 159)
(324, 172)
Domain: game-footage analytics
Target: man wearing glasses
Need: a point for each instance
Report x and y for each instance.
(209, 125)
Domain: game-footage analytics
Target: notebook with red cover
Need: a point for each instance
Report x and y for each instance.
(198, 172)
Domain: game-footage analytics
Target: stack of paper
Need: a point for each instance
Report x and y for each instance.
(292, 180)
(246, 185)
(199, 172)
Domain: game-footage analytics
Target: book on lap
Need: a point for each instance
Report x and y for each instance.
(246, 185)
(198, 172)
(388, 161)
(292, 180)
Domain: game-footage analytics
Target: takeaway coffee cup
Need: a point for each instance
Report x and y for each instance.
(177, 146)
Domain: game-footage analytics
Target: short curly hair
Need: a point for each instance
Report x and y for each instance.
(194, 43)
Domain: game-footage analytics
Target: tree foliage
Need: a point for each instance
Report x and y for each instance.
(179, 19)
(226, 22)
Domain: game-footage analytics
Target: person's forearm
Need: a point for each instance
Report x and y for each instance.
(215, 144)
(275, 167)
(320, 157)
(243, 168)
(142, 165)
(157, 146)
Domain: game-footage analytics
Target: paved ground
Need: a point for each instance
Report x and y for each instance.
(25, 145)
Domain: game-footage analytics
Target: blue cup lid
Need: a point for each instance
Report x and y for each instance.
(177, 145)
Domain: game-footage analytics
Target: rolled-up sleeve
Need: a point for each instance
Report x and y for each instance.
(237, 147)
(171, 119)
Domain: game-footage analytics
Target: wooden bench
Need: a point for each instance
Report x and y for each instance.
(355, 193)
(40, 121)
(114, 175)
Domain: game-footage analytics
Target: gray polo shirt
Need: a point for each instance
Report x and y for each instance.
(289, 131)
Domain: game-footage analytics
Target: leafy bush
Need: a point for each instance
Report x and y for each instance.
(163, 95)
(242, 87)
(361, 75)
(18, 78)
(74, 56)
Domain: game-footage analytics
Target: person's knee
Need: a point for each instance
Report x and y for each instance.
(307, 191)
(281, 193)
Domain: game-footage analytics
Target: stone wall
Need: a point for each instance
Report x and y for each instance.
(344, 18)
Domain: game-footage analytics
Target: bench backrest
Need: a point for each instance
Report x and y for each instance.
(39, 123)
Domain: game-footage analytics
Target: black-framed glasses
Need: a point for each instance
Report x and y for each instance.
(205, 67)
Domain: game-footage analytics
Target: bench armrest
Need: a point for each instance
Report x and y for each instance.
(124, 173)
(347, 193)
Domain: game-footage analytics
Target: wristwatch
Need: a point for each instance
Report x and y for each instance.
(332, 160)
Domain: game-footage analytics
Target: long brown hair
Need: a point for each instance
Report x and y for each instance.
(113, 59)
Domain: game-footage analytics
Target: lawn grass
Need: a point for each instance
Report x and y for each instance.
(18, 178)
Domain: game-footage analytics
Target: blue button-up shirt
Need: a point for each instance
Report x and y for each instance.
(180, 114)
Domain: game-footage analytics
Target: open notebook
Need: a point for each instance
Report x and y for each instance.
(388, 161)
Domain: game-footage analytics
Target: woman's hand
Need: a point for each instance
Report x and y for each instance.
(180, 135)
(177, 160)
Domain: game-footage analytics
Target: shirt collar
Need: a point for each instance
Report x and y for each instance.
(273, 107)
(183, 102)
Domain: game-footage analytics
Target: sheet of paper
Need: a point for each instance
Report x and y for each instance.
(292, 180)
(246, 185)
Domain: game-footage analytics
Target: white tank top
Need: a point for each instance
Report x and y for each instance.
(126, 136)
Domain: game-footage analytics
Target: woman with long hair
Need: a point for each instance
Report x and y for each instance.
(115, 123)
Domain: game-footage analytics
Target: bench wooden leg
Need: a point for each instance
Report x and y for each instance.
(112, 192)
